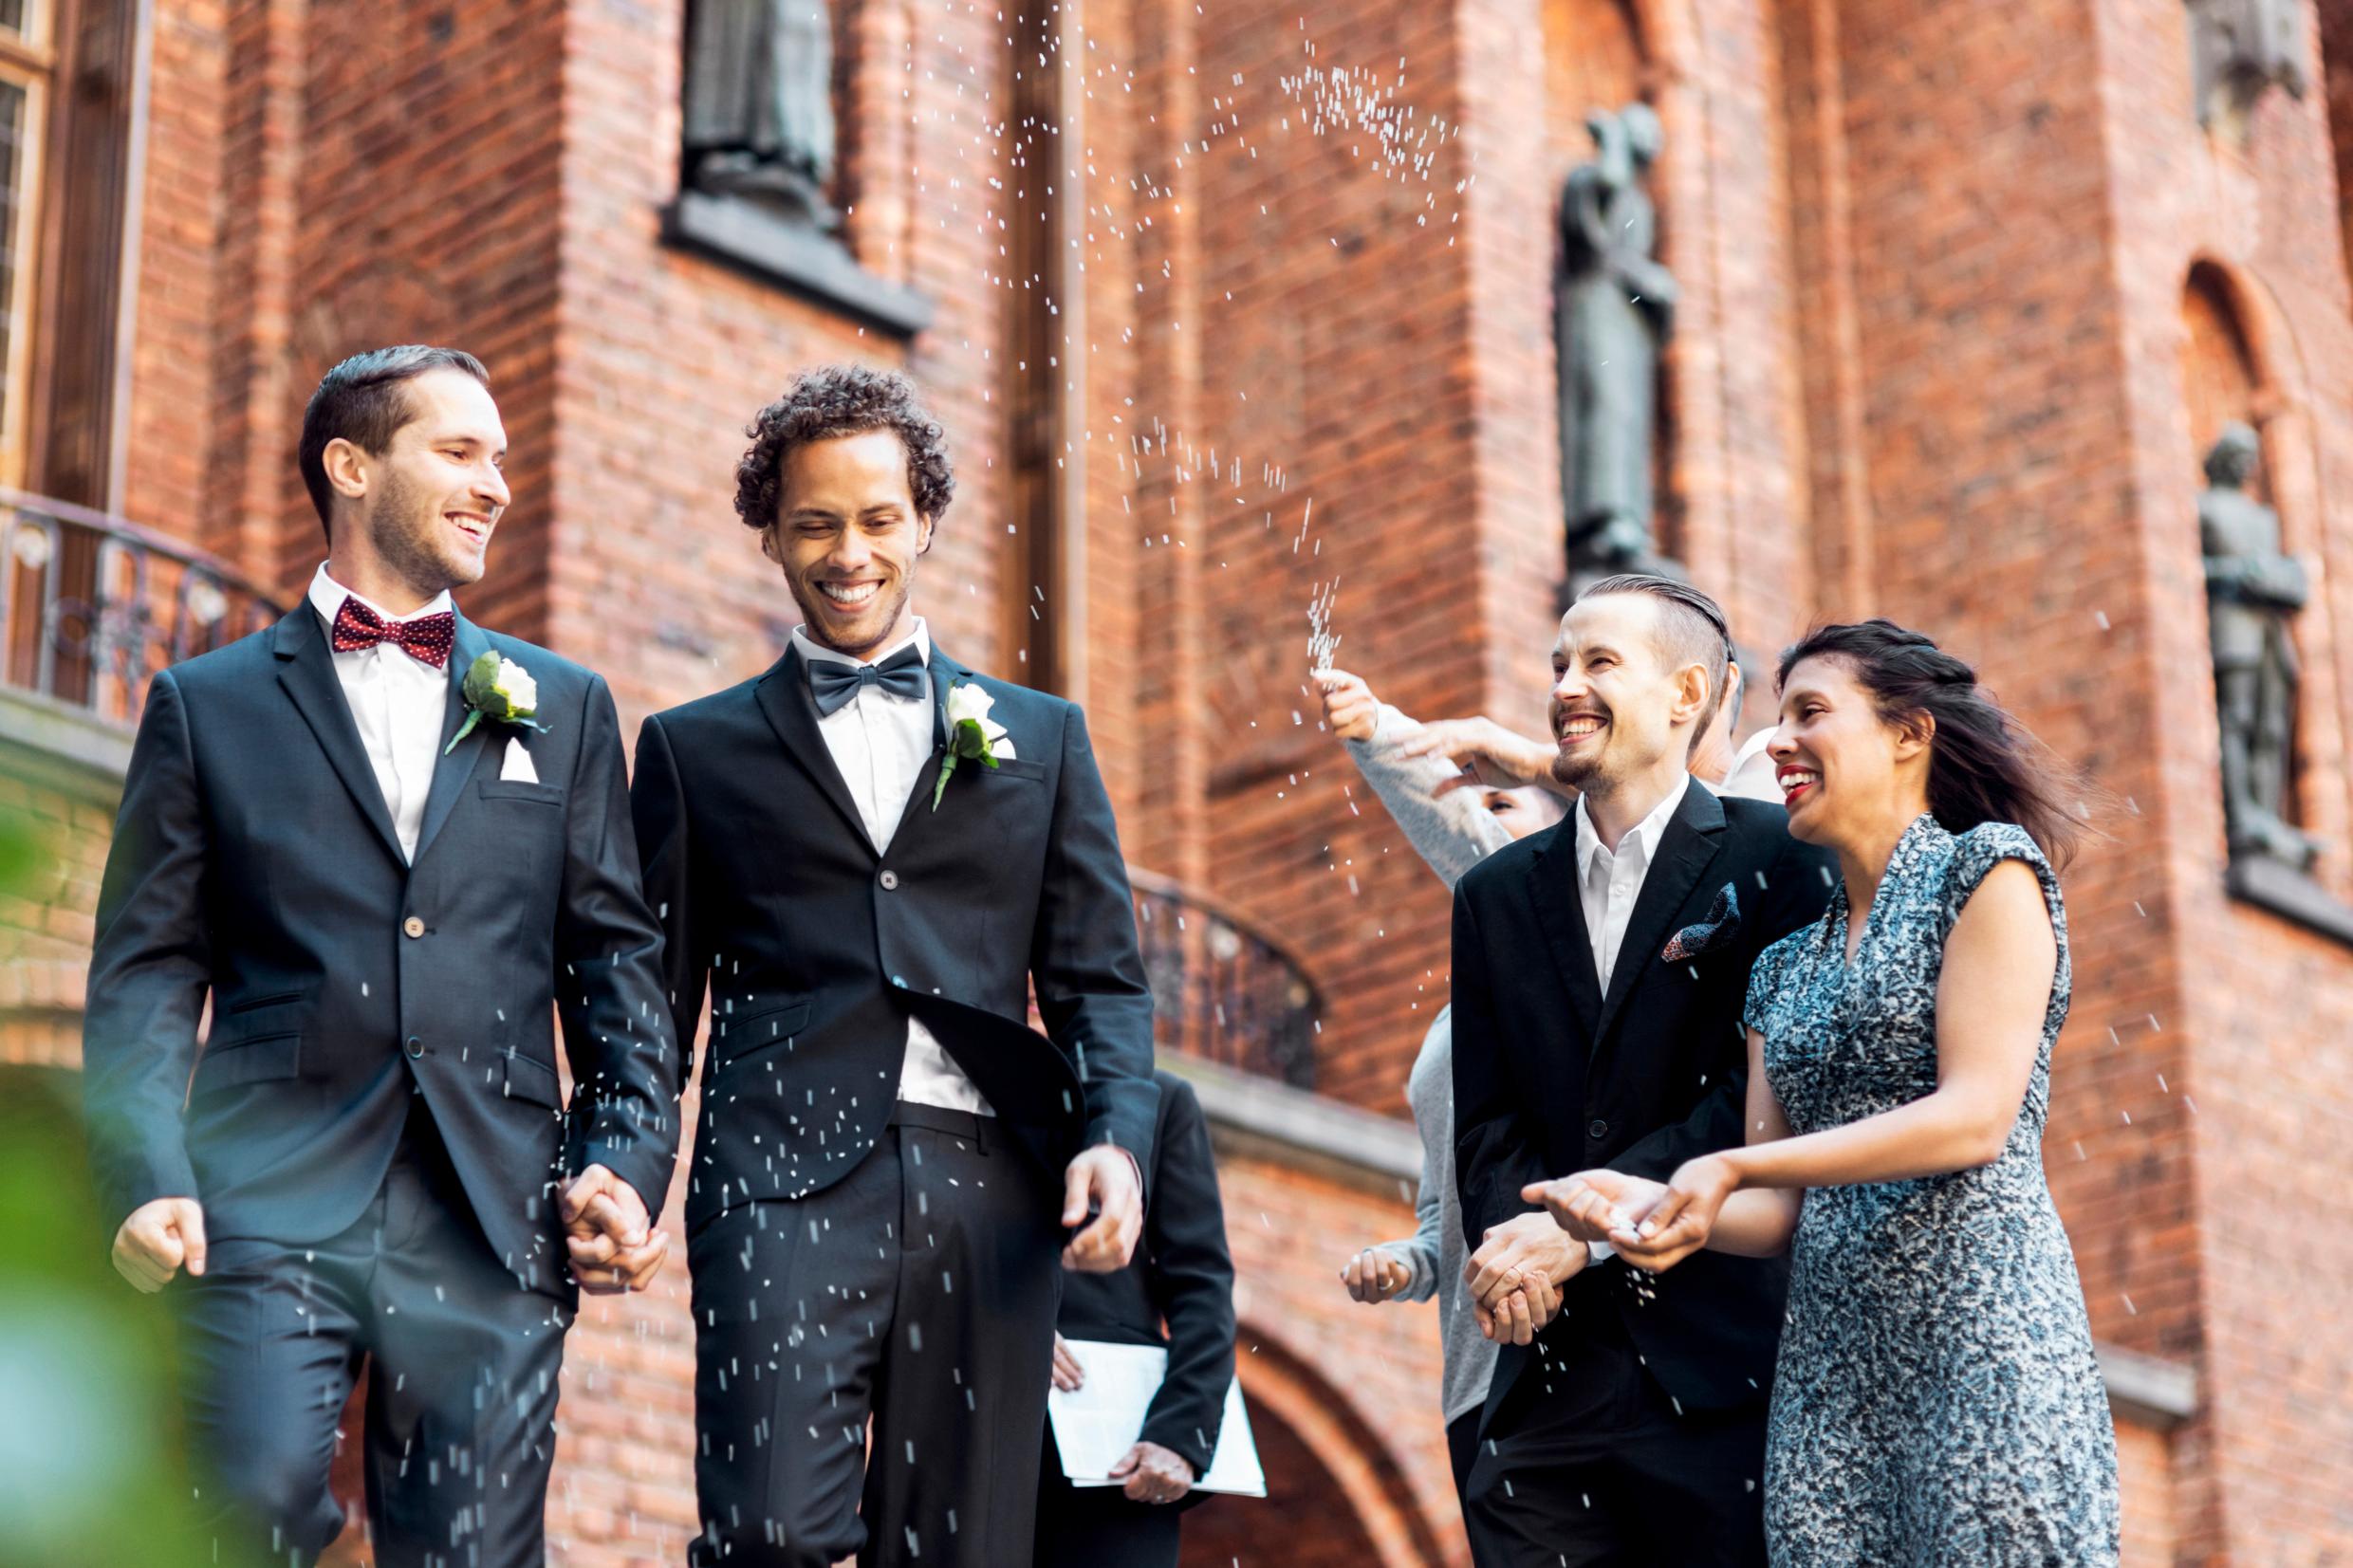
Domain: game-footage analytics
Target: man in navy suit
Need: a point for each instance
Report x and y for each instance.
(386, 895)
(867, 856)
(1598, 971)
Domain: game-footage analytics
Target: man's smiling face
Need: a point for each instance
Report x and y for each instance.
(848, 538)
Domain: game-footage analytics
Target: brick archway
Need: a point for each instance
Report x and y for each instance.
(1335, 1493)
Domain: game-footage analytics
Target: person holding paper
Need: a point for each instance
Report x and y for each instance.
(1183, 1276)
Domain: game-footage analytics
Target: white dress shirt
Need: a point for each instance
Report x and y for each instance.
(1609, 883)
(398, 704)
(882, 745)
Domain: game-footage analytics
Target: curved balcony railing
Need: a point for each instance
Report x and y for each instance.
(91, 606)
(1220, 990)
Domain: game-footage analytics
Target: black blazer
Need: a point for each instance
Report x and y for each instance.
(815, 948)
(1182, 1275)
(1552, 1077)
(254, 861)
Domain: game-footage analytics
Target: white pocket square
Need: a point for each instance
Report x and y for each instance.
(517, 767)
(1001, 747)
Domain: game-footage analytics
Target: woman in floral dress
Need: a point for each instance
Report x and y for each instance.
(1936, 1399)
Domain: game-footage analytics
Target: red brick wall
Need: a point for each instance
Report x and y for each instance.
(1369, 1373)
(1930, 362)
(2258, 1003)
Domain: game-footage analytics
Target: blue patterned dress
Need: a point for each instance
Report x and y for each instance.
(1936, 1399)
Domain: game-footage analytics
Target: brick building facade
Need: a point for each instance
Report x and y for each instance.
(1224, 303)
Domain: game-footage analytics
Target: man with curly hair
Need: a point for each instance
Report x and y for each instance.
(867, 855)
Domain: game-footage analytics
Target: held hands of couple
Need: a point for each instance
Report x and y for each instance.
(1105, 1178)
(1515, 1277)
(613, 1243)
(1653, 1226)
(613, 1246)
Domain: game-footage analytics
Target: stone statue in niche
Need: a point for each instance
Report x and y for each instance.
(2253, 588)
(1614, 306)
(2238, 50)
(759, 104)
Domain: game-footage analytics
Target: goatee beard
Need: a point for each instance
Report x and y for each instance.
(1576, 775)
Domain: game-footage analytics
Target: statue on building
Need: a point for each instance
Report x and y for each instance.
(2253, 588)
(759, 104)
(2239, 49)
(1614, 306)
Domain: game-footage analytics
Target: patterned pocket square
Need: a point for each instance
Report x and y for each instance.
(1718, 929)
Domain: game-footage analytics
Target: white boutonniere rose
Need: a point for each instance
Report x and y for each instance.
(499, 690)
(971, 733)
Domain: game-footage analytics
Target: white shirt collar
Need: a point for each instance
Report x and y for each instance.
(327, 596)
(1644, 834)
(920, 633)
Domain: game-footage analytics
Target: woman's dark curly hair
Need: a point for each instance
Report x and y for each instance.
(1983, 766)
(834, 400)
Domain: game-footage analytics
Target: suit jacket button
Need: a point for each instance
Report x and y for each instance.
(900, 981)
(416, 1047)
(412, 926)
(1597, 1129)
(890, 880)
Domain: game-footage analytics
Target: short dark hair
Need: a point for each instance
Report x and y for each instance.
(1693, 627)
(363, 400)
(1983, 766)
(836, 400)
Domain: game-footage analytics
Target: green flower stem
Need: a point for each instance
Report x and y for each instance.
(473, 716)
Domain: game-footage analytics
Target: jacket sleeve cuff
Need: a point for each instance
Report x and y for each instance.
(644, 1166)
(167, 1174)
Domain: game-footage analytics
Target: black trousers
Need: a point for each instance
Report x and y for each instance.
(920, 1290)
(1586, 1460)
(462, 1380)
(1098, 1526)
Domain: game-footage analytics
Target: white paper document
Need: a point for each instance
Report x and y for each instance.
(1098, 1424)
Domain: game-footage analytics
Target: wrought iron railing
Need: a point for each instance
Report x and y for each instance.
(91, 606)
(1220, 990)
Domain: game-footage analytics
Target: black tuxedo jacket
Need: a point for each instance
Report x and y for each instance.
(255, 859)
(1551, 1077)
(815, 947)
(1181, 1275)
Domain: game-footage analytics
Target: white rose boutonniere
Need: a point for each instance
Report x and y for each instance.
(498, 690)
(971, 733)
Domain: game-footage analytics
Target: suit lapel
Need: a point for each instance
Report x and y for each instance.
(452, 767)
(1685, 849)
(784, 697)
(945, 672)
(307, 671)
(1552, 883)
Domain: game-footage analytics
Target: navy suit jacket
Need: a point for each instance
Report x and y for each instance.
(254, 863)
(1182, 1275)
(815, 948)
(1553, 1077)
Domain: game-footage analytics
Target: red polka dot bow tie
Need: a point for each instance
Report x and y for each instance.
(427, 638)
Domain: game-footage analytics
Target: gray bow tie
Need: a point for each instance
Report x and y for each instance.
(834, 684)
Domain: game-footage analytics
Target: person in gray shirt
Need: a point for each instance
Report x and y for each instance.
(1453, 822)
